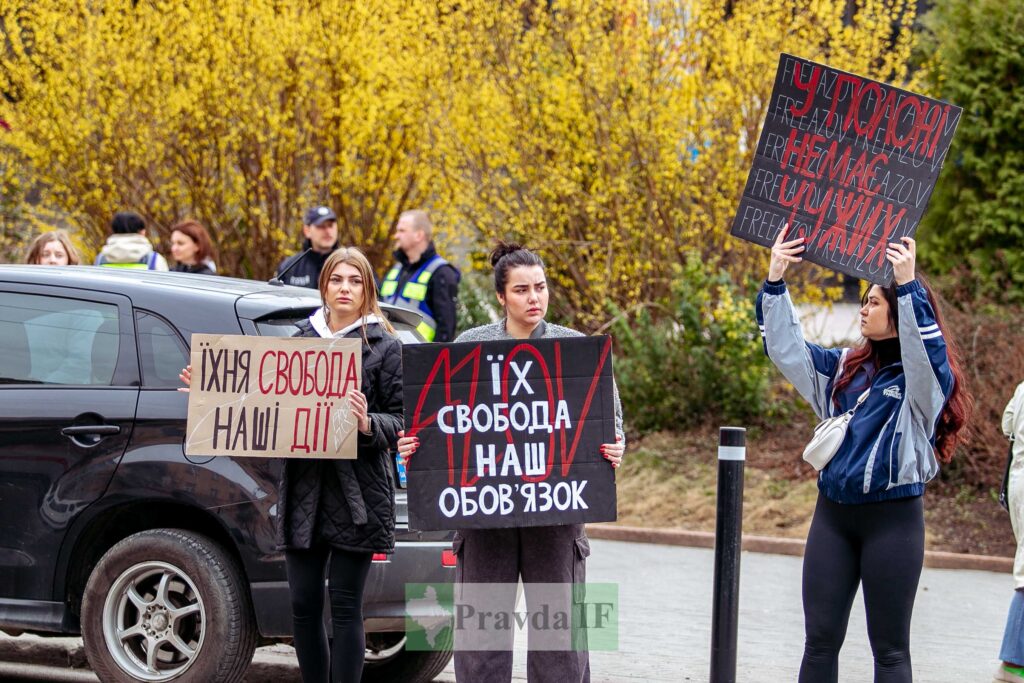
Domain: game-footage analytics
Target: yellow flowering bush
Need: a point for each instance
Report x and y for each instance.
(615, 135)
(612, 135)
(240, 113)
(696, 358)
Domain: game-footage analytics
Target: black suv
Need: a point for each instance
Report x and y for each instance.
(164, 563)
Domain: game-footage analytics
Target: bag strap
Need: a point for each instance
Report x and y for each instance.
(860, 399)
(1004, 488)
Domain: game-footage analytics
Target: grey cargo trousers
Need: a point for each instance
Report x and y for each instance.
(547, 554)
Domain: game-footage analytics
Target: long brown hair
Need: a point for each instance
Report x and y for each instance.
(354, 257)
(960, 404)
(35, 250)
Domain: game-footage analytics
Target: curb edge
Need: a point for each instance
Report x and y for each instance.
(934, 559)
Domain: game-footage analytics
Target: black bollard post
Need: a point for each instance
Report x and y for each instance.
(732, 453)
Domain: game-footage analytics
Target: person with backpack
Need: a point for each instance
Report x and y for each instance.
(128, 246)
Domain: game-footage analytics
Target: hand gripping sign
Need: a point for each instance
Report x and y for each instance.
(849, 163)
(272, 396)
(510, 433)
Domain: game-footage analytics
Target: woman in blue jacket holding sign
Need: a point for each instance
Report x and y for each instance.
(868, 525)
(540, 555)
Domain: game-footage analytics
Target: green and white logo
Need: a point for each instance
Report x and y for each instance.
(487, 616)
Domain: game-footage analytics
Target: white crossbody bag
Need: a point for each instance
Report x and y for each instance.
(829, 435)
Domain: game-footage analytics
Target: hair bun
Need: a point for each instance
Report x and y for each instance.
(504, 249)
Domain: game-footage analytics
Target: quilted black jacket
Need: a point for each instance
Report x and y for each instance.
(350, 504)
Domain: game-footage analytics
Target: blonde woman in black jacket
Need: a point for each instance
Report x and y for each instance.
(334, 514)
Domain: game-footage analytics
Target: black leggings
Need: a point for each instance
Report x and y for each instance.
(346, 580)
(880, 545)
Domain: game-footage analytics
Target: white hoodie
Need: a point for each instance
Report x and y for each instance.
(319, 322)
(130, 248)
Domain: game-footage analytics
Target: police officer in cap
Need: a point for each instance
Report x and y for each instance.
(320, 229)
(421, 280)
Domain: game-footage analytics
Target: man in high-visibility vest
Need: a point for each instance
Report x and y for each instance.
(128, 246)
(421, 280)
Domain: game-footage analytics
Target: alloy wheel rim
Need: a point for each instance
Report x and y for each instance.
(154, 621)
(385, 653)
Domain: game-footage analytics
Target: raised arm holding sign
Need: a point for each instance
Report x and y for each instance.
(904, 396)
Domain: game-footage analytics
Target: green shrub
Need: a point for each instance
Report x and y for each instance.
(972, 54)
(697, 357)
(476, 304)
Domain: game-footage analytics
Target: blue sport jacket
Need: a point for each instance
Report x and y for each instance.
(889, 449)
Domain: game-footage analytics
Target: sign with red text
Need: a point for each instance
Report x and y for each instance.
(272, 396)
(848, 162)
(510, 433)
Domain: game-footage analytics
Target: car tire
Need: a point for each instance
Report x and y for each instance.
(400, 664)
(168, 604)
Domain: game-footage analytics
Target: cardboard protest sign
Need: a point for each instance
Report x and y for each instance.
(510, 433)
(848, 162)
(272, 396)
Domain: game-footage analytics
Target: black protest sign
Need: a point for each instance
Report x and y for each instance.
(848, 162)
(510, 433)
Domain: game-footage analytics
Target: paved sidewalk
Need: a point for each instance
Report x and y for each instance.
(665, 595)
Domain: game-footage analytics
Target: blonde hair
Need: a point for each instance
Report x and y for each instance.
(35, 250)
(354, 257)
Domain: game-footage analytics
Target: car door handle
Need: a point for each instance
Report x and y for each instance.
(98, 430)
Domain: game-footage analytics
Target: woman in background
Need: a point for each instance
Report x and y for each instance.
(192, 249)
(52, 248)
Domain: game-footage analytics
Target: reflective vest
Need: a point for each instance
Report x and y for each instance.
(147, 262)
(414, 293)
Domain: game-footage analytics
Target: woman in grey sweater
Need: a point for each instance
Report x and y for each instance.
(540, 555)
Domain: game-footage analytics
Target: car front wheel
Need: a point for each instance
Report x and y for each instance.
(167, 604)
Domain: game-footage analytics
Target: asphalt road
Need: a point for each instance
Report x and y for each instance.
(665, 598)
